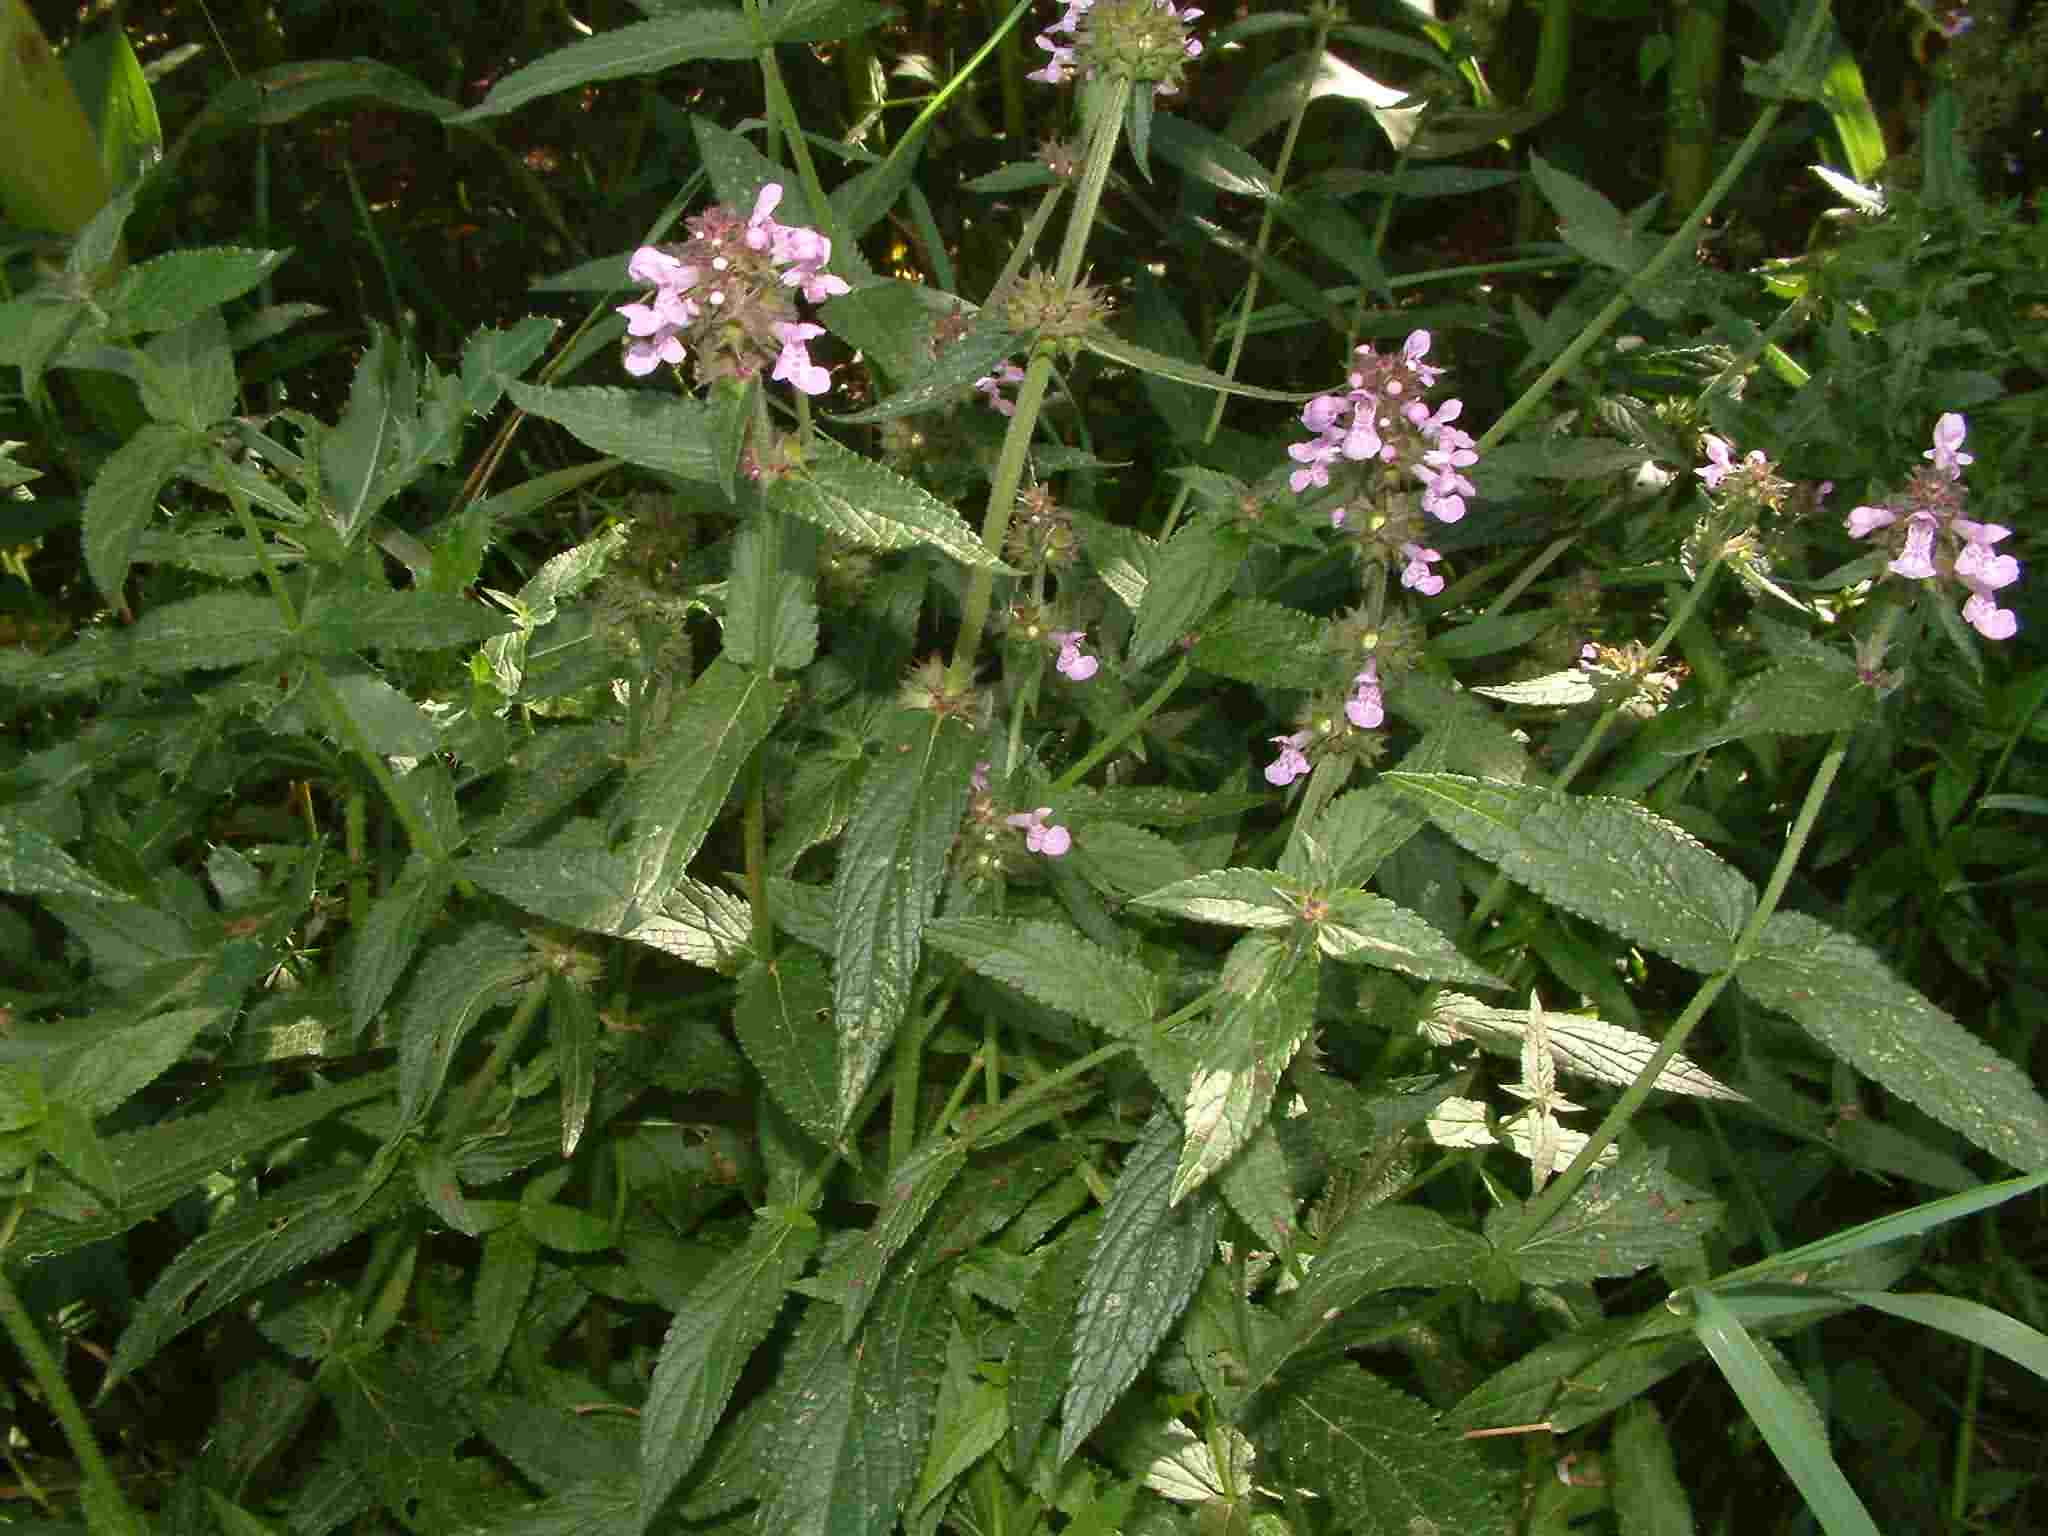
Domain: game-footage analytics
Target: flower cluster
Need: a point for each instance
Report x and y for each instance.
(1381, 419)
(1145, 41)
(1931, 538)
(1052, 841)
(1752, 480)
(724, 293)
(1365, 706)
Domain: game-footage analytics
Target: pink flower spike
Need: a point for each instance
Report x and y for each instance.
(1864, 521)
(1984, 615)
(1366, 708)
(1074, 664)
(1417, 574)
(1949, 432)
(1292, 762)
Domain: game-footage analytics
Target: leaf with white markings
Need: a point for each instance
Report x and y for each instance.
(1606, 859)
(1591, 1048)
(32, 865)
(709, 1340)
(1146, 1262)
(1622, 1219)
(1361, 929)
(1242, 898)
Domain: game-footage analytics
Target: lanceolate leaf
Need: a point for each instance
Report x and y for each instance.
(1377, 1248)
(385, 943)
(1145, 1266)
(1606, 859)
(642, 426)
(727, 1314)
(1847, 998)
(1622, 1219)
(642, 48)
(1362, 929)
(670, 802)
(341, 621)
(1243, 898)
(32, 865)
(914, 1186)
(573, 1027)
(873, 507)
(1379, 1455)
(892, 863)
(1648, 1496)
(1145, 360)
(122, 500)
(1188, 577)
(1053, 965)
(451, 990)
(1268, 1006)
(784, 1024)
(1042, 1345)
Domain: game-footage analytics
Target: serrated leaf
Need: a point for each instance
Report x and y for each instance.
(876, 508)
(1266, 1011)
(386, 721)
(33, 865)
(784, 1023)
(1607, 859)
(640, 48)
(1587, 221)
(1145, 1265)
(1264, 644)
(1355, 834)
(708, 1342)
(1122, 861)
(590, 888)
(700, 924)
(358, 451)
(669, 803)
(892, 863)
(450, 991)
(187, 376)
(67, 1135)
(943, 380)
(573, 1030)
(1845, 996)
(915, 1185)
(264, 1240)
(220, 629)
(648, 427)
(1799, 698)
(1588, 1047)
(1042, 1345)
(385, 943)
(973, 1416)
(1622, 1219)
(821, 21)
(790, 619)
(1373, 1249)
(166, 291)
(1145, 360)
(493, 358)
(1581, 1377)
(99, 1075)
(1649, 1500)
(1054, 965)
(337, 622)
(1380, 1456)
(1189, 575)
(1363, 929)
(1241, 898)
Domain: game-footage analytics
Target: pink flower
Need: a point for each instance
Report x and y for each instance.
(1074, 664)
(1864, 521)
(1983, 614)
(795, 363)
(1417, 574)
(1292, 762)
(1315, 459)
(761, 229)
(1038, 837)
(1948, 439)
(1367, 706)
(1413, 350)
(1916, 560)
(1720, 462)
(992, 385)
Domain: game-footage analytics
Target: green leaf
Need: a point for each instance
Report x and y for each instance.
(821, 21)
(67, 1135)
(187, 376)
(1606, 859)
(709, 1340)
(340, 622)
(492, 359)
(357, 452)
(876, 508)
(1241, 898)
(1145, 1265)
(973, 1416)
(1267, 1009)
(1801, 1449)
(387, 721)
(793, 622)
(1649, 1499)
(1580, 1377)
(1209, 157)
(1379, 1455)
(115, 93)
(167, 291)
(453, 987)
(1145, 360)
(1588, 222)
(1052, 964)
(1361, 929)
(1799, 698)
(98, 1076)
(1968, 1320)
(582, 887)
(504, 1279)
(221, 629)
(573, 1027)
(648, 427)
(1355, 834)
(641, 48)
(32, 865)
(1122, 861)
(1263, 644)
(1843, 995)
(1189, 576)
(1373, 1249)
(1042, 1344)
(915, 1185)
(784, 1023)
(892, 863)
(670, 802)
(385, 943)
(943, 380)
(261, 1242)
(1856, 122)
(1622, 1219)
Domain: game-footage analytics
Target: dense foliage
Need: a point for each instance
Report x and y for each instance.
(792, 768)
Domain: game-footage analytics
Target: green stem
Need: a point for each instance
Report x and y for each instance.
(986, 1125)
(1009, 472)
(1539, 1211)
(106, 1507)
(508, 1043)
(1126, 728)
(1683, 240)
